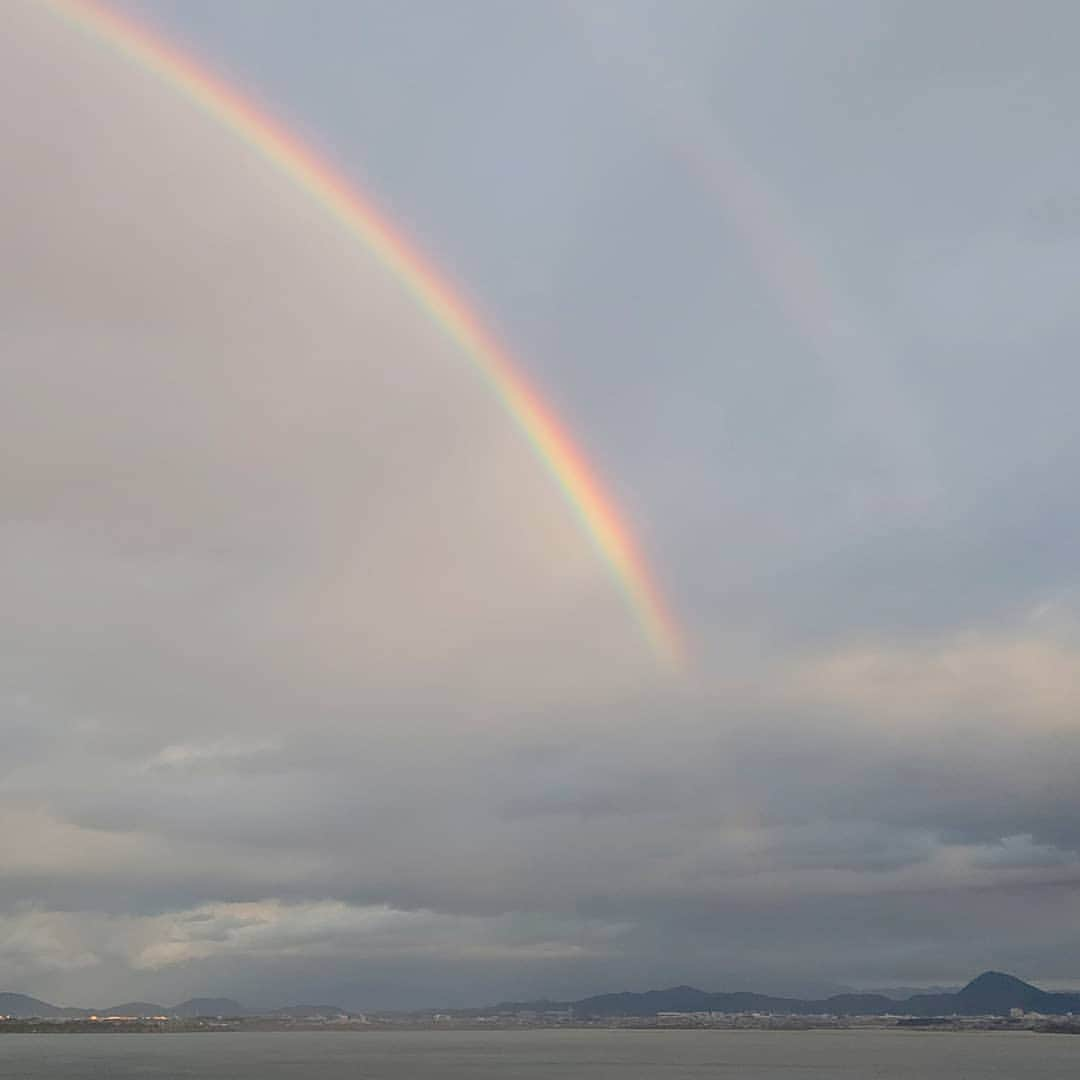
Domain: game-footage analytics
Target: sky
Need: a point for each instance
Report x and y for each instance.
(312, 686)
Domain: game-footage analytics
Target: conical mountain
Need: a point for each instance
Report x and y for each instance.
(995, 992)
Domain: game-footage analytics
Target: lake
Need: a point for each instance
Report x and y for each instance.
(545, 1055)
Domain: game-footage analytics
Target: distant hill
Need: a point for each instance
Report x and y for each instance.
(996, 993)
(135, 1008)
(992, 993)
(23, 1007)
(28, 1008)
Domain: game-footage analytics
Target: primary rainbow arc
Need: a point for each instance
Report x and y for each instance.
(594, 508)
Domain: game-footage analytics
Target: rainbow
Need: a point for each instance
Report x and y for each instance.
(340, 198)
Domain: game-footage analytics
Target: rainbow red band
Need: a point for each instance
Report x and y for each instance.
(595, 510)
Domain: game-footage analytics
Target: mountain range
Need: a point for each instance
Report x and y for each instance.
(22, 1007)
(992, 993)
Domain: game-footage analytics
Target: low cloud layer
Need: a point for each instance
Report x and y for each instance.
(312, 687)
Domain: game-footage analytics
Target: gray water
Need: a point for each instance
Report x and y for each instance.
(545, 1055)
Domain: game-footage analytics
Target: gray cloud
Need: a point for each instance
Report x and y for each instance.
(311, 685)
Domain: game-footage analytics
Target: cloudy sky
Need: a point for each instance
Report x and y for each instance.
(311, 686)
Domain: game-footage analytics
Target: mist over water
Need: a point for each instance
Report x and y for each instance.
(540, 1055)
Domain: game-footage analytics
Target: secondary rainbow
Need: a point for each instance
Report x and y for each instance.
(356, 212)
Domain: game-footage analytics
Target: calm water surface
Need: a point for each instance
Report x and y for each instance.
(545, 1055)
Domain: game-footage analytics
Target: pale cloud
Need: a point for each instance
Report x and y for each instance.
(275, 930)
(32, 942)
(36, 942)
(35, 841)
(224, 754)
(970, 681)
